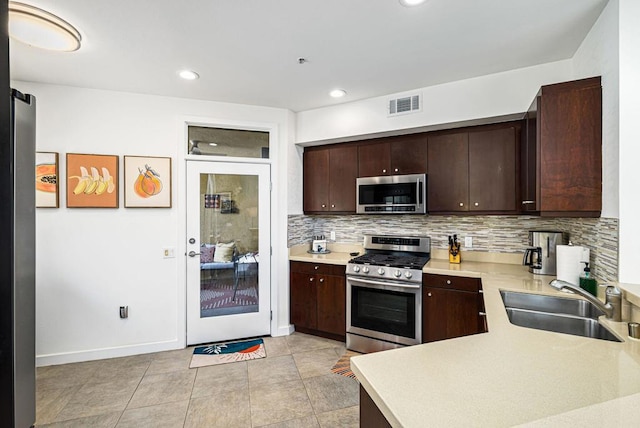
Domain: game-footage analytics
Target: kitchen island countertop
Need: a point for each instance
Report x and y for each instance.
(508, 376)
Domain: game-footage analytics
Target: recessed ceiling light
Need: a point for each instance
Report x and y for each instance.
(39, 28)
(409, 3)
(188, 74)
(338, 93)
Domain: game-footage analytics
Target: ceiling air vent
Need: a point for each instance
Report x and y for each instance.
(404, 105)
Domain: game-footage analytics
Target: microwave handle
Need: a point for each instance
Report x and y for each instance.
(419, 190)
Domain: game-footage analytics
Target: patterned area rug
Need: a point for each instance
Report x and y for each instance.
(218, 294)
(221, 353)
(343, 366)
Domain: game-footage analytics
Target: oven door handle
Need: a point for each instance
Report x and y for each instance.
(387, 284)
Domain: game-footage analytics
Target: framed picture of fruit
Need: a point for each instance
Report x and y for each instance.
(47, 193)
(147, 182)
(92, 181)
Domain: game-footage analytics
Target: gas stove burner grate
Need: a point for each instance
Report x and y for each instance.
(392, 260)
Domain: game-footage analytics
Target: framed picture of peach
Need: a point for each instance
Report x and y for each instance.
(147, 182)
(92, 181)
(47, 193)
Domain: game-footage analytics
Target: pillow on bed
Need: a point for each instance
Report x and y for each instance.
(224, 252)
(206, 253)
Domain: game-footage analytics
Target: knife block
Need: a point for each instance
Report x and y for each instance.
(454, 259)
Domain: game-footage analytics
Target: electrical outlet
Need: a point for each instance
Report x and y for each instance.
(168, 253)
(332, 235)
(468, 242)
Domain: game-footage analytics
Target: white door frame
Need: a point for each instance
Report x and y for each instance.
(278, 295)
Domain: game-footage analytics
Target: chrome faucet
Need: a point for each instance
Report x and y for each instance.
(612, 308)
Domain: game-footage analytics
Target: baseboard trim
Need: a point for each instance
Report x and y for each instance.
(101, 354)
(283, 331)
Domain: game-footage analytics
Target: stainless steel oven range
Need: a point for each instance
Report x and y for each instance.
(384, 293)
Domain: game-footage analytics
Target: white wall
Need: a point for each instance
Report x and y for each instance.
(598, 55)
(629, 16)
(487, 96)
(91, 261)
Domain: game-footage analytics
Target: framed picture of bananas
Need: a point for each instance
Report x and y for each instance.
(147, 182)
(92, 181)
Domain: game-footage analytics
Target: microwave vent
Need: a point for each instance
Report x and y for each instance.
(404, 105)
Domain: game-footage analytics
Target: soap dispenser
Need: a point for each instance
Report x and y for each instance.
(588, 283)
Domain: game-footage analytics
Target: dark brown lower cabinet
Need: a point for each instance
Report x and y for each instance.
(318, 299)
(452, 306)
(370, 414)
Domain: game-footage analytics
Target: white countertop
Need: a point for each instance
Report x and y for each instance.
(508, 376)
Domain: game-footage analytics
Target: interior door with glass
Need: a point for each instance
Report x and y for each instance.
(228, 251)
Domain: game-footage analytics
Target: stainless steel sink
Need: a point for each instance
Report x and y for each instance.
(556, 314)
(551, 304)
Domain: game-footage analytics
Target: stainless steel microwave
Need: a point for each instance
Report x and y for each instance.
(394, 194)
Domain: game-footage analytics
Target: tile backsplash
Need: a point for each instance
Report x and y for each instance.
(504, 234)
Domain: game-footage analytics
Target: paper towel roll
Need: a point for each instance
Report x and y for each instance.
(569, 264)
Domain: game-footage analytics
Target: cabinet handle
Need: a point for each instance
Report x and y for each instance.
(321, 279)
(333, 206)
(384, 170)
(429, 294)
(316, 267)
(482, 314)
(395, 170)
(311, 279)
(448, 282)
(476, 204)
(528, 202)
(480, 291)
(461, 204)
(324, 206)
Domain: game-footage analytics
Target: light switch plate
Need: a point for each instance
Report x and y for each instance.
(468, 242)
(168, 253)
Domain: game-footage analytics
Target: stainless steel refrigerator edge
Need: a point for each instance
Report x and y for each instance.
(22, 340)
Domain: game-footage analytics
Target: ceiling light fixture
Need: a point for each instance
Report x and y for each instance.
(338, 93)
(39, 28)
(410, 3)
(188, 74)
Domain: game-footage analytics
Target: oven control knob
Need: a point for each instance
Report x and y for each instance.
(356, 269)
(365, 269)
(397, 274)
(380, 271)
(408, 274)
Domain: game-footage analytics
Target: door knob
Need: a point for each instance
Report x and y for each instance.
(193, 253)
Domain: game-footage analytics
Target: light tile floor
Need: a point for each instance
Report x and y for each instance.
(292, 387)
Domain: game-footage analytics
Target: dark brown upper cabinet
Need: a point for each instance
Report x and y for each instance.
(406, 154)
(561, 163)
(474, 170)
(329, 179)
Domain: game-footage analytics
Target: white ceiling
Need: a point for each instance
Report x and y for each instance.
(246, 51)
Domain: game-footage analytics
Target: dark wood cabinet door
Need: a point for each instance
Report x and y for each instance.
(315, 182)
(448, 314)
(492, 170)
(303, 300)
(343, 171)
(409, 154)
(448, 166)
(374, 160)
(529, 168)
(570, 138)
(332, 303)
(370, 414)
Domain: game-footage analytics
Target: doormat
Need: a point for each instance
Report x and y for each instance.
(222, 353)
(343, 366)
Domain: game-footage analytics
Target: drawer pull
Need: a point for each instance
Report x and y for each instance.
(316, 267)
(429, 294)
(482, 314)
(448, 282)
(321, 279)
(311, 279)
